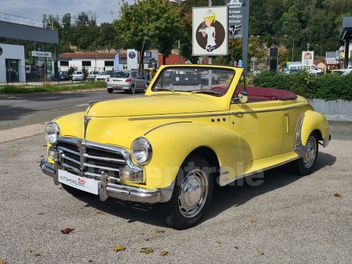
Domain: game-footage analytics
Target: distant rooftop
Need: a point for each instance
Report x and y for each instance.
(20, 20)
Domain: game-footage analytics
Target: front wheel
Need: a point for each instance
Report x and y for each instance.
(305, 165)
(110, 90)
(192, 194)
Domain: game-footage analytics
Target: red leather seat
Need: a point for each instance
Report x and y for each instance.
(257, 94)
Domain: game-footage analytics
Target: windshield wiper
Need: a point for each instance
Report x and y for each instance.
(208, 91)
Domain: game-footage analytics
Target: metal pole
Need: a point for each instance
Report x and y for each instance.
(210, 61)
(245, 32)
(178, 47)
(347, 47)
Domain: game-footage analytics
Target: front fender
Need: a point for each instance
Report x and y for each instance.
(314, 121)
(172, 144)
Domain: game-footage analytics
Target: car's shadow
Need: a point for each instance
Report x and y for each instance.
(235, 194)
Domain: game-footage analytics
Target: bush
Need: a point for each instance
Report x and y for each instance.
(328, 87)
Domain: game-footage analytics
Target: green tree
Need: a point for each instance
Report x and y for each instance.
(151, 24)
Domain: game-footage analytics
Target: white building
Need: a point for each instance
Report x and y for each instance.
(12, 63)
(91, 61)
(100, 61)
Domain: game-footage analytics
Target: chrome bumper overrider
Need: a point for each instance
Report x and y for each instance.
(122, 192)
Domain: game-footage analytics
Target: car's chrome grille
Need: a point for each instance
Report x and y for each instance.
(90, 159)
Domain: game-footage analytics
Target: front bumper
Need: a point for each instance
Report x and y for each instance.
(122, 192)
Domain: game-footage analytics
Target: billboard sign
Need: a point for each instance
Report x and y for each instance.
(307, 57)
(235, 19)
(132, 61)
(209, 31)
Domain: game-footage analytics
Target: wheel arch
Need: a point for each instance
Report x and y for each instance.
(210, 155)
(313, 122)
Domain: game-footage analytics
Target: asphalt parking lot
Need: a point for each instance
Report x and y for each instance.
(287, 219)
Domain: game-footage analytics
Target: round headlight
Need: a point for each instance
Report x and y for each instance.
(141, 151)
(52, 131)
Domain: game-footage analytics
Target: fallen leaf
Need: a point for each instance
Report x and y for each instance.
(163, 253)
(253, 221)
(219, 242)
(147, 239)
(160, 231)
(3, 261)
(118, 248)
(236, 247)
(147, 250)
(338, 195)
(41, 213)
(260, 253)
(36, 254)
(67, 230)
(100, 213)
(90, 260)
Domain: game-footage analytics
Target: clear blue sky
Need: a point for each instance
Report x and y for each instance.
(105, 10)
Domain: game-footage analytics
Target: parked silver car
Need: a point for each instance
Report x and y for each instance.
(104, 76)
(129, 81)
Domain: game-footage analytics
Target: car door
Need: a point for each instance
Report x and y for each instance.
(260, 127)
(141, 82)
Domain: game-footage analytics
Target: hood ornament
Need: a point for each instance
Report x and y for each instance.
(86, 122)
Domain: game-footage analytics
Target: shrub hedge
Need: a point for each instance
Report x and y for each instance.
(22, 89)
(327, 86)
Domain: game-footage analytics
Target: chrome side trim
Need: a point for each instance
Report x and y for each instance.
(277, 108)
(177, 116)
(299, 148)
(167, 124)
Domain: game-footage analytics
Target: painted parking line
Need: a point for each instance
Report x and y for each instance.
(21, 132)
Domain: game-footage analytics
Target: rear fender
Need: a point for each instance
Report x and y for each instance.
(311, 121)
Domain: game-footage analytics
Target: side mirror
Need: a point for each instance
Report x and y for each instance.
(243, 97)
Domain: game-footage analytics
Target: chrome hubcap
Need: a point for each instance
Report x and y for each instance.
(193, 193)
(310, 152)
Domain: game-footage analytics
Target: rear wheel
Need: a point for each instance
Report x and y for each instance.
(192, 194)
(305, 165)
(110, 90)
(73, 191)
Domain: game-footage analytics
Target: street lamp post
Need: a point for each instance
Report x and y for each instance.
(179, 2)
(293, 47)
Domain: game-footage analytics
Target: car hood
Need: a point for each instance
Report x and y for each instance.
(154, 105)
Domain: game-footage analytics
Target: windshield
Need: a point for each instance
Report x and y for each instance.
(120, 74)
(212, 81)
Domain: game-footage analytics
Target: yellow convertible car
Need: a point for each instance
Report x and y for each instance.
(196, 126)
